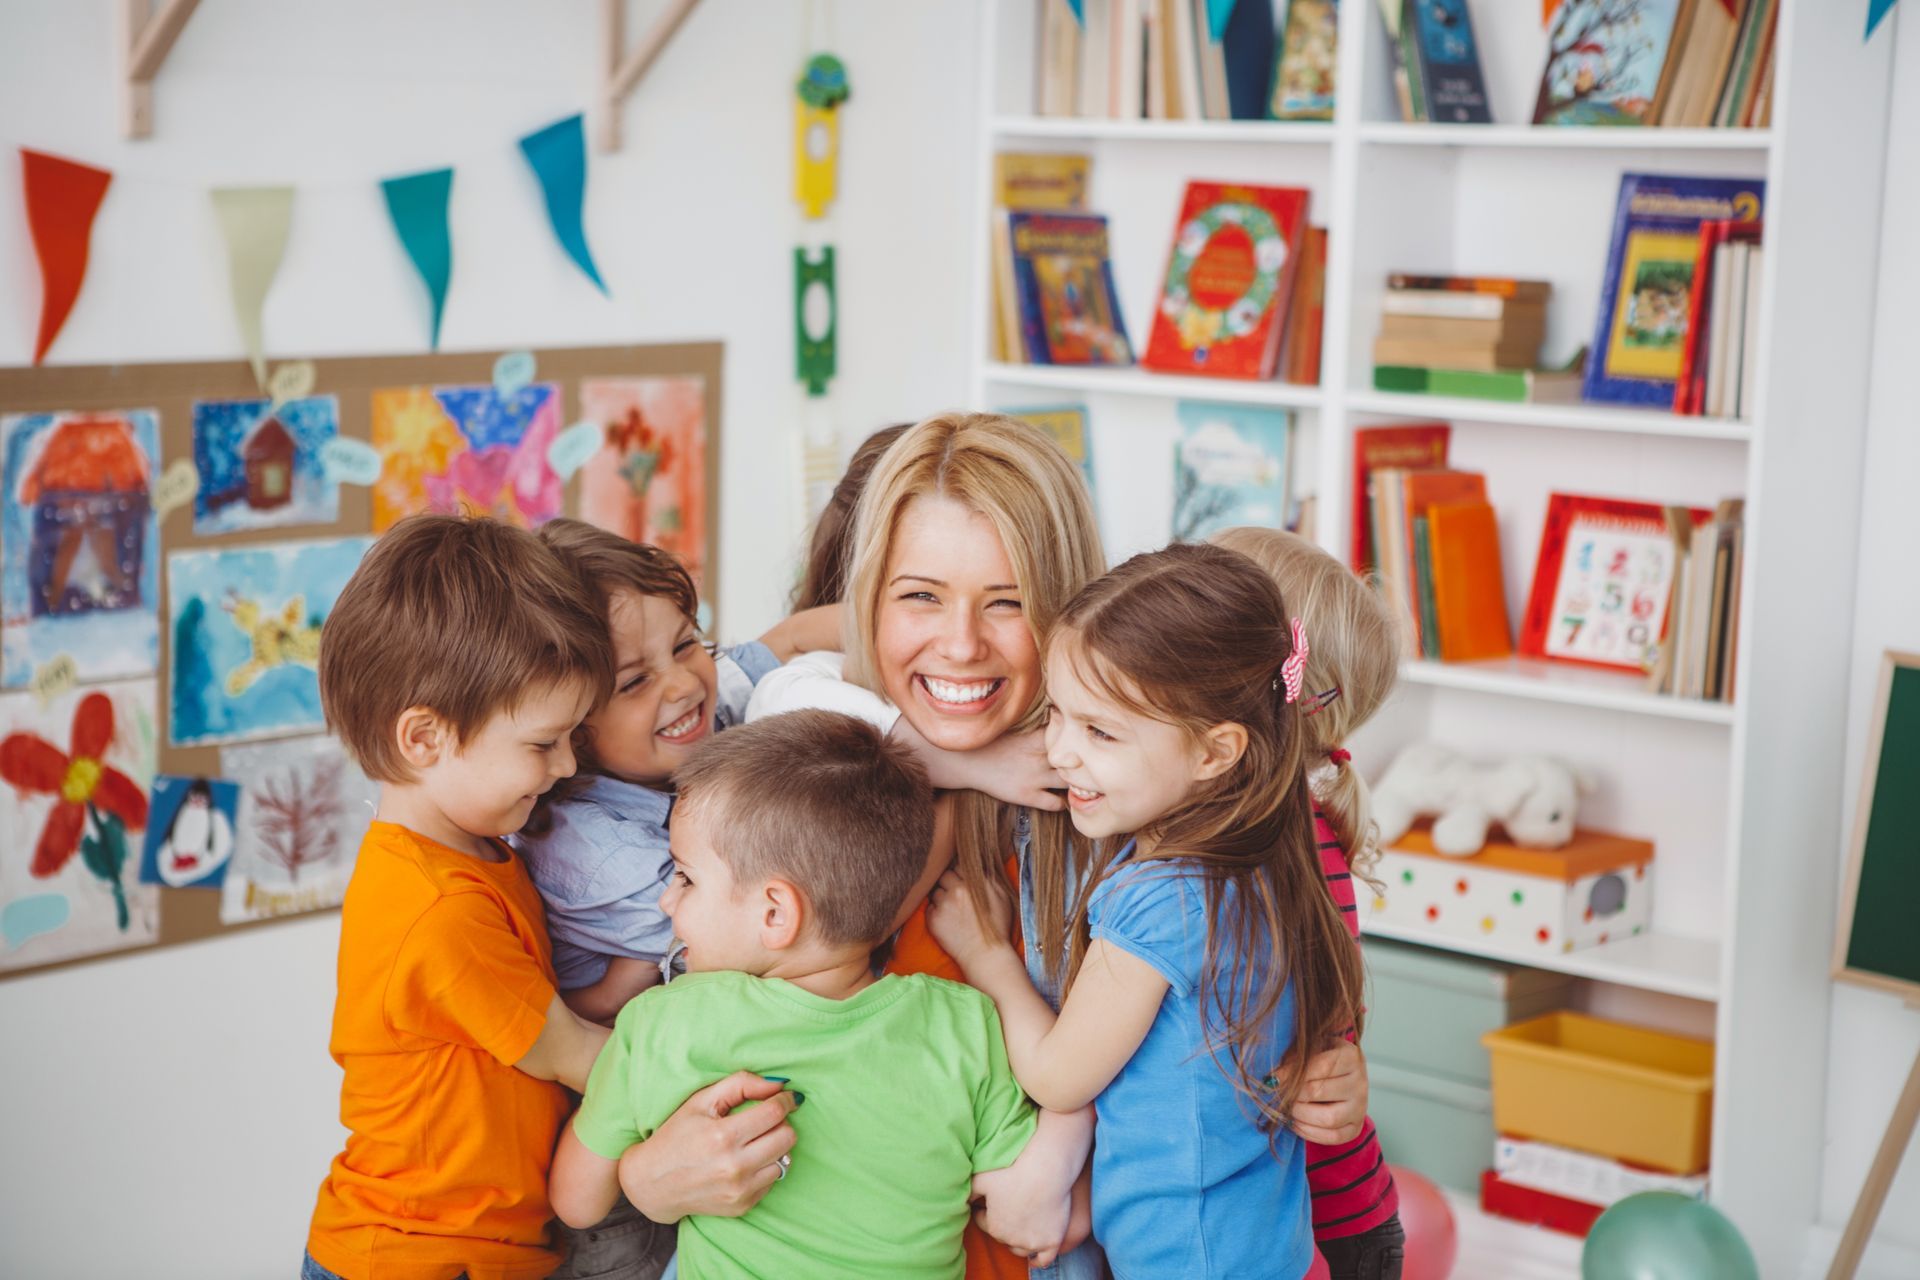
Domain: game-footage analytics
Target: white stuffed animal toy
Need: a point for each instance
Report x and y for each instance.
(1533, 797)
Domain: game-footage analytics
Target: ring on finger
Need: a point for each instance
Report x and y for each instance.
(783, 1164)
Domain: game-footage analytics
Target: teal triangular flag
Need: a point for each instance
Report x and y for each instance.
(558, 154)
(1876, 10)
(1078, 15)
(1218, 11)
(418, 205)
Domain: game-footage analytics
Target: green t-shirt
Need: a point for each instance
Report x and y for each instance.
(908, 1095)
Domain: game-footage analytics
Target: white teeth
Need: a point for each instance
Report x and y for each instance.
(1084, 794)
(683, 726)
(958, 694)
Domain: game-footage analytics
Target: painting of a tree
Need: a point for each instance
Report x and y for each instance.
(298, 816)
(1602, 52)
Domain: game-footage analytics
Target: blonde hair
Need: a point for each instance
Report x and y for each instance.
(1017, 477)
(1353, 645)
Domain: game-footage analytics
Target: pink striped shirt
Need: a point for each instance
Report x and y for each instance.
(1352, 1189)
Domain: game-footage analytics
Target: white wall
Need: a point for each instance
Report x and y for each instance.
(1874, 1038)
(171, 1114)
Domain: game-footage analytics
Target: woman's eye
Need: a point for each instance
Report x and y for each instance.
(1013, 605)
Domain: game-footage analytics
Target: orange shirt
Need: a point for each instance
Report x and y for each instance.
(915, 951)
(445, 979)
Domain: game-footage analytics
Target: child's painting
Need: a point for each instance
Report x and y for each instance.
(304, 807)
(245, 624)
(73, 811)
(648, 482)
(1231, 467)
(466, 449)
(260, 467)
(1603, 62)
(79, 544)
(189, 832)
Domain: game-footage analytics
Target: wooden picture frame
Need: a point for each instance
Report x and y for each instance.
(1892, 662)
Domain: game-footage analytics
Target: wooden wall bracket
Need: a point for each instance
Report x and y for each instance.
(143, 40)
(621, 71)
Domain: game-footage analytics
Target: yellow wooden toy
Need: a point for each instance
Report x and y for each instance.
(816, 133)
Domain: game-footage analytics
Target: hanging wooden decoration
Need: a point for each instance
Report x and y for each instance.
(815, 355)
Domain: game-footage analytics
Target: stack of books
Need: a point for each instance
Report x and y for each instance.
(1473, 336)
(1433, 539)
(1436, 66)
(1054, 300)
(1688, 63)
(1165, 60)
(1718, 361)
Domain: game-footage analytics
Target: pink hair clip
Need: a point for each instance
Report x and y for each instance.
(1294, 669)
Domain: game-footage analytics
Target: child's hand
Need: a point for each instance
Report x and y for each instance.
(1331, 1108)
(957, 927)
(1080, 1221)
(1013, 769)
(1032, 1216)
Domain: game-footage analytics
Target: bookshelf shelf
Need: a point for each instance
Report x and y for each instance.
(1396, 134)
(1565, 684)
(1090, 129)
(1663, 963)
(1093, 380)
(1569, 417)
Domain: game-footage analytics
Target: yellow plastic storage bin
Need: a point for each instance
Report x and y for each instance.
(1627, 1092)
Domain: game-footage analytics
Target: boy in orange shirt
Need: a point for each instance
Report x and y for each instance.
(454, 668)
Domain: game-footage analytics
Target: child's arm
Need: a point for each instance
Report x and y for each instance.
(1062, 1062)
(1029, 1204)
(624, 979)
(808, 631)
(565, 1051)
(584, 1186)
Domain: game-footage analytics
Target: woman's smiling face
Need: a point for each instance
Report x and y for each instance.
(951, 641)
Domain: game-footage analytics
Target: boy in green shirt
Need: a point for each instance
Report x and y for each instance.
(795, 842)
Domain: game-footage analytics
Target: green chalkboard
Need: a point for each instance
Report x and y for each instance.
(1879, 938)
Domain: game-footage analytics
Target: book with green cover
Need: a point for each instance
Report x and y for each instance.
(1423, 580)
(1399, 377)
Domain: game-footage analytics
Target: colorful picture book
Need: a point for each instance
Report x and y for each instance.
(1646, 295)
(1026, 180)
(1069, 308)
(1232, 466)
(1230, 275)
(1452, 88)
(1603, 584)
(1068, 426)
(1303, 86)
(1412, 446)
(1687, 63)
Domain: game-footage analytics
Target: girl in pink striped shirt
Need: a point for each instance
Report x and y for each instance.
(1353, 660)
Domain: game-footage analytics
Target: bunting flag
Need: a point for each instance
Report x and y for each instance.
(1218, 11)
(1876, 10)
(418, 205)
(255, 221)
(62, 199)
(558, 154)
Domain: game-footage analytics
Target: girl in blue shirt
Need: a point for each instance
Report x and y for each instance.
(1200, 949)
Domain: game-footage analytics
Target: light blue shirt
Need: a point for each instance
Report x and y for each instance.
(1184, 1182)
(602, 864)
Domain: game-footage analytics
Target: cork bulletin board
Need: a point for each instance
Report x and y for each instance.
(158, 708)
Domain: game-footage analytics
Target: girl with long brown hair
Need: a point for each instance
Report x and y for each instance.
(1201, 959)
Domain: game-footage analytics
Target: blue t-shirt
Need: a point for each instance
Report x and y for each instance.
(602, 864)
(1184, 1181)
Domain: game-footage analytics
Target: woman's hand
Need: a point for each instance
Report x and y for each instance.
(1331, 1108)
(1012, 769)
(709, 1158)
(957, 927)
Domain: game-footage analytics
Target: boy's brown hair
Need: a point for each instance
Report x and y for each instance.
(825, 801)
(462, 615)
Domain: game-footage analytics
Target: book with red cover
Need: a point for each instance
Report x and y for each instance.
(1413, 445)
(1603, 582)
(1230, 274)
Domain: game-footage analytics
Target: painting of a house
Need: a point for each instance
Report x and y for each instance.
(260, 465)
(78, 544)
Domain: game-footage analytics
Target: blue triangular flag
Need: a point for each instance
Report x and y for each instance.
(1876, 10)
(418, 205)
(558, 154)
(1218, 11)
(1078, 16)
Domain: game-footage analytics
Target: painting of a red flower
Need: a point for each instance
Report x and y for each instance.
(78, 778)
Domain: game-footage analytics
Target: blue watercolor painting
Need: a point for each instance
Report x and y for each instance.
(1232, 466)
(79, 544)
(245, 625)
(190, 824)
(260, 467)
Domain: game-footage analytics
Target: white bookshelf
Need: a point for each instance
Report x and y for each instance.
(1742, 800)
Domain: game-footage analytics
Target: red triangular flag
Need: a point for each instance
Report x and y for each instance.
(62, 197)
